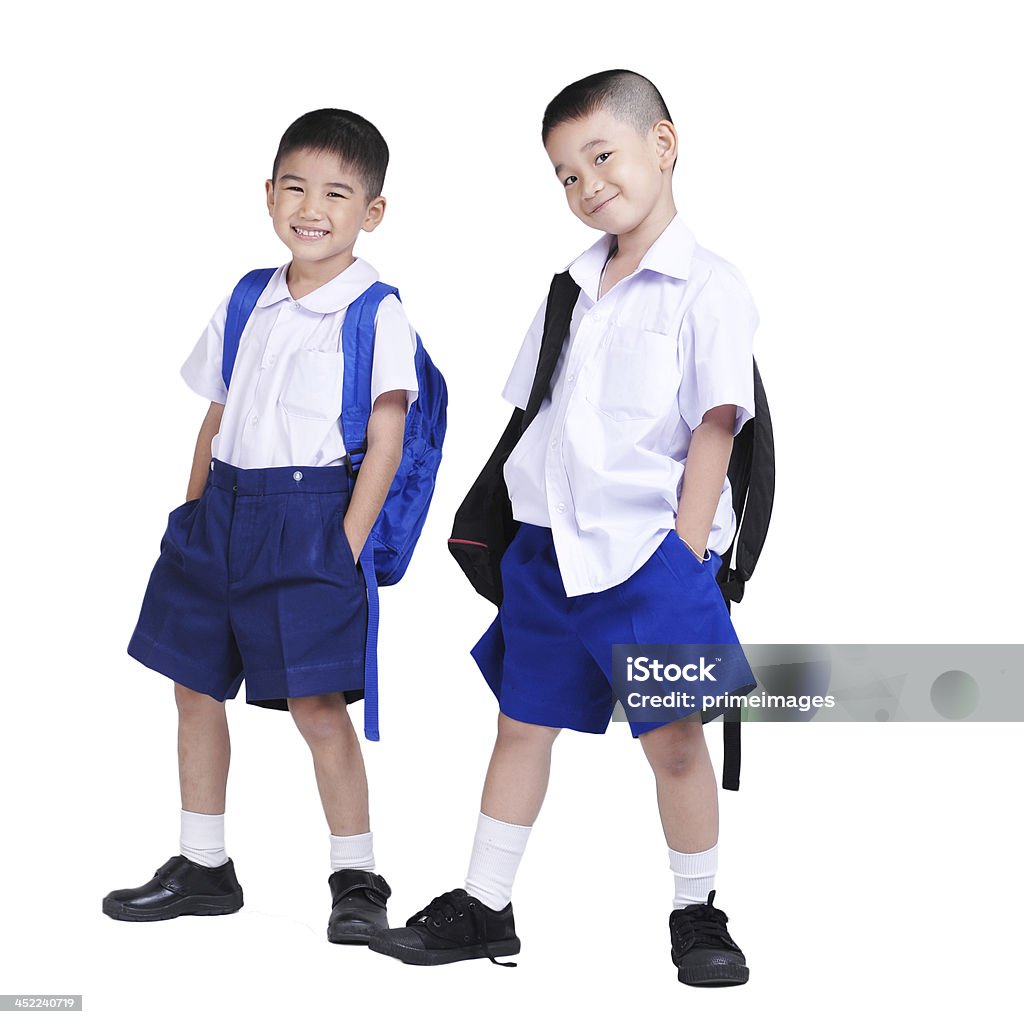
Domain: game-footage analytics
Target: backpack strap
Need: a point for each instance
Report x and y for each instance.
(562, 297)
(240, 306)
(357, 334)
(752, 475)
(357, 337)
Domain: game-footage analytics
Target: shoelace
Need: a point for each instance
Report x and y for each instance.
(701, 925)
(441, 913)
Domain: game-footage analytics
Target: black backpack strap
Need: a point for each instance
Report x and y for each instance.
(484, 526)
(562, 297)
(731, 749)
(752, 478)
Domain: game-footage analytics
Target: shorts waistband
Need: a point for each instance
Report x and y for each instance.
(280, 479)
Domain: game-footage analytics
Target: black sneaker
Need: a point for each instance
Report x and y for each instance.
(453, 927)
(178, 887)
(359, 902)
(702, 948)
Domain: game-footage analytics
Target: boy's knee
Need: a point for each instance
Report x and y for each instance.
(193, 703)
(323, 717)
(674, 748)
(514, 733)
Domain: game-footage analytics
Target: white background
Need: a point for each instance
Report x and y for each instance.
(859, 163)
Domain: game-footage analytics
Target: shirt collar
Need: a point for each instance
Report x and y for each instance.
(331, 297)
(670, 255)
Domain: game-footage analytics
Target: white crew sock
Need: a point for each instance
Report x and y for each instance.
(497, 850)
(694, 875)
(352, 852)
(202, 838)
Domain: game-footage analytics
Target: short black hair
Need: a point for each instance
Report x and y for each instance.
(629, 96)
(350, 137)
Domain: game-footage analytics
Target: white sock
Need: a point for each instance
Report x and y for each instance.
(497, 850)
(352, 852)
(694, 875)
(202, 838)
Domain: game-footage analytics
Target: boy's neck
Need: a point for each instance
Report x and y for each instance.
(629, 249)
(303, 278)
(632, 246)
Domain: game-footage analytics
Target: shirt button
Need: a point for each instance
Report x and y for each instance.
(211, 465)
(561, 506)
(554, 444)
(296, 476)
(254, 420)
(271, 360)
(571, 377)
(596, 317)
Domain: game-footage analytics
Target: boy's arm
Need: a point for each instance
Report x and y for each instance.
(203, 454)
(707, 462)
(385, 434)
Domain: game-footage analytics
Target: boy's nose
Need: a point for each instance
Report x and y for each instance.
(593, 187)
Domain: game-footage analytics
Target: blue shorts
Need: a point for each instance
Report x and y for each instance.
(256, 579)
(548, 657)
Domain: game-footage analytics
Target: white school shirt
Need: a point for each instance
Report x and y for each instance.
(602, 463)
(284, 405)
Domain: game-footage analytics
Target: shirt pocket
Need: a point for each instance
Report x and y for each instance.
(313, 388)
(637, 376)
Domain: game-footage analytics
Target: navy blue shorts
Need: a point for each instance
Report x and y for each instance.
(548, 657)
(256, 579)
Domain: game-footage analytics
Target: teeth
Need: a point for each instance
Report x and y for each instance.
(310, 234)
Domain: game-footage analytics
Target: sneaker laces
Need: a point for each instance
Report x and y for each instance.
(701, 924)
(441, 913)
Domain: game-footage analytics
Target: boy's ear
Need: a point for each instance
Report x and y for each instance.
(270, 197)
(666, 143)
(374, 213)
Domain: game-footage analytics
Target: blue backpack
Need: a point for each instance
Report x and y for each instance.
(386, 555)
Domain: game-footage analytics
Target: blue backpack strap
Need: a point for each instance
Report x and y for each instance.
(240, 307)
(357, 334)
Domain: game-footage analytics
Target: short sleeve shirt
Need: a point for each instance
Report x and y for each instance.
(284, 403)
(603, 461)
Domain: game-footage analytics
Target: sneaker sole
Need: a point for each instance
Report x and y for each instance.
(718, 976)
(194, 906)
(432, 957)
(352, 938)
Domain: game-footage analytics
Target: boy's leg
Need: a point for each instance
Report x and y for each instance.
(326, 727)
(359, 896)
(702, 949)
(517, 780)
(204, 754)
(201, 879)
(686, 785)
(477, 921)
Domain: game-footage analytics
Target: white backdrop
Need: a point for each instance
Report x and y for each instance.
(859, 163)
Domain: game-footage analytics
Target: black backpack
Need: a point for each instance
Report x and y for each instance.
(484, 526)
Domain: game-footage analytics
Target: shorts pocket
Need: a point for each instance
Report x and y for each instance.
(313, 388)
(676, 554)
(637, 375)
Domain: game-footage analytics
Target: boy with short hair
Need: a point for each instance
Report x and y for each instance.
(259, 573)
(620, 490)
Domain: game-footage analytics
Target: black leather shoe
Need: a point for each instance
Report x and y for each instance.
(359, 902)
(702, 947)
(178, 888)
(453, 927)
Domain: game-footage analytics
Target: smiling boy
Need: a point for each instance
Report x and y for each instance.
(619, 488)
(259, 574)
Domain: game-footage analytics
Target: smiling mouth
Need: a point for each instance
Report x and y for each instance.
(312, 233)
(601, 206)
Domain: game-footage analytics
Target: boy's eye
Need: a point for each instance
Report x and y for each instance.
(337, 195)
(571, 180)
(601, 157)
(292, 188)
